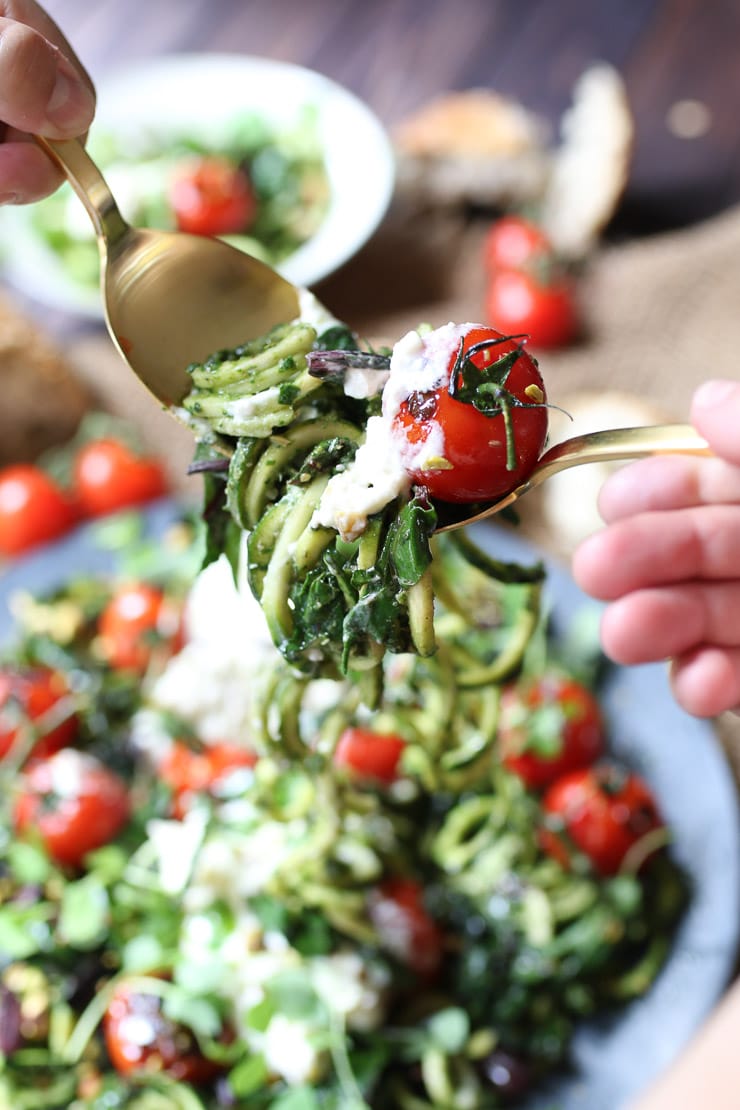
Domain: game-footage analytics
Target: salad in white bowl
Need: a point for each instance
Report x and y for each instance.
(278, 159)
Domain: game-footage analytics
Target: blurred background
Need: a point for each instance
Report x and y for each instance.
(397, 54)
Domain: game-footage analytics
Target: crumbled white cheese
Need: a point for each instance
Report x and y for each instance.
(176, 844)
(288, 1050)
(253, 404)
(419, 364)
(313, 312)
(363, 384)
(209, 683)
(375, 477)
(238, 865)
(352, 986)
(208, 690)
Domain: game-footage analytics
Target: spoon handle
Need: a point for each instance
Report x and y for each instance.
(620, 443)
(607, 446)
(90, 186)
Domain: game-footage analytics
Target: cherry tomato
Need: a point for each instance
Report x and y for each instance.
(547, 726)
(33, 509)
(604, 810)
(514, 243)
(213, 197)
(28, 696)
(109, 476)
(139, 1037)
(74, 802)
(517, 302)
(138, 621)
(188, 772)
(369, 755)
(482, 461)
(405, 928)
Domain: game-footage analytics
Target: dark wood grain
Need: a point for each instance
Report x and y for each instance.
(398, 53)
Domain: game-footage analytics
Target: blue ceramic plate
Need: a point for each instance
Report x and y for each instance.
(683, 762)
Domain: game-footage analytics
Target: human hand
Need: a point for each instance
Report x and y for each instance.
(669, 560)
(43, 90)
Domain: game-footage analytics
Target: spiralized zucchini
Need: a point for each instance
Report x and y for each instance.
(333, 606)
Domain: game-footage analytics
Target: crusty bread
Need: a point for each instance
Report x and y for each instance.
(591, 164)
(41, 400)
(473, 146)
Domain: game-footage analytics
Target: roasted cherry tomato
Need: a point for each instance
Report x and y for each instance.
(74, 802)
(213, 197)
(28, 697)
(139, 1037)
(514, 243)
(109, 476)
(138, 621)
(369, 755)
(33, 509)
(547, 726)
(604, 811)
(404, 926)
(482, 459)
(517, 302)
(188, 772)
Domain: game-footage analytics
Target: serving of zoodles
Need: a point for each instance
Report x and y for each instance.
(332, 460)
(225, 882)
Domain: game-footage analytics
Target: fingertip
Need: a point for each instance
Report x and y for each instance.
(715, 413)
(706, 680)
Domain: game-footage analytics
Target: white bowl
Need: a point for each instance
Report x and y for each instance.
(203, 91)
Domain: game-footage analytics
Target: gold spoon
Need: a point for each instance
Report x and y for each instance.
(170, 298)
(612, 445)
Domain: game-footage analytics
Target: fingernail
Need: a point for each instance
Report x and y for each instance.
(714, 393)
(71, 104)
(8, 198)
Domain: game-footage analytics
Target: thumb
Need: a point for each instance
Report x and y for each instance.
(715, 413)
(40, 89)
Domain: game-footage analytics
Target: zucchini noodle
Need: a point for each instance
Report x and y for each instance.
(333, 605)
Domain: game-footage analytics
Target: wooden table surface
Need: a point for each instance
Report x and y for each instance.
(396, 54)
